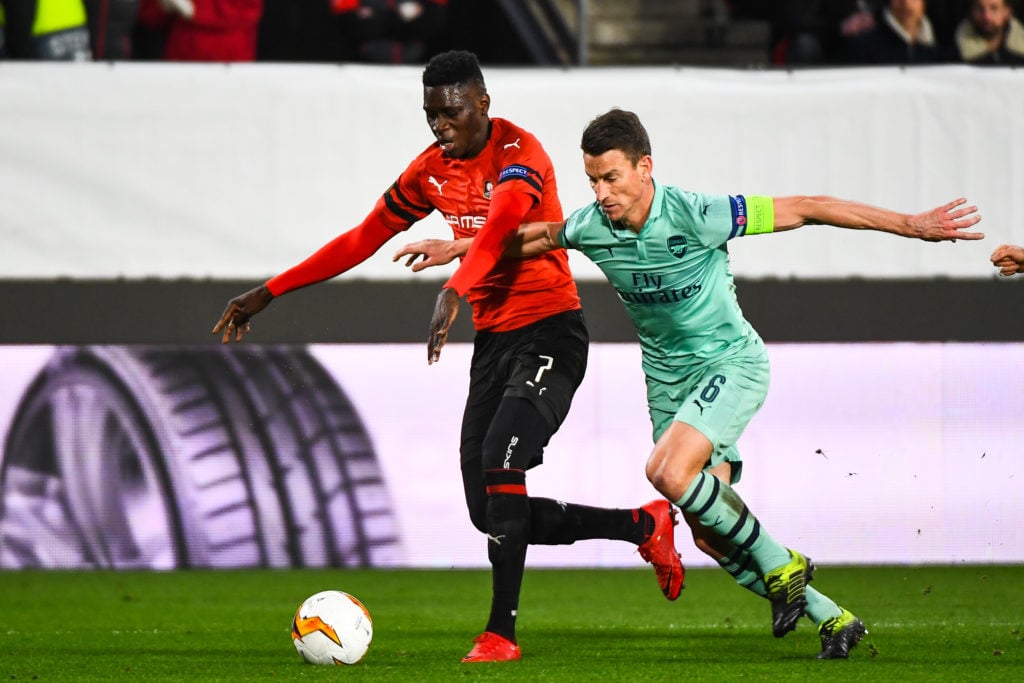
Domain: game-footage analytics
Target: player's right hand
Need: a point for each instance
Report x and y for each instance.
(235, 318)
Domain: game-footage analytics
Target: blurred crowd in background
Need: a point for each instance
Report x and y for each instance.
(803, 32)
(388, 31)
(894, 32)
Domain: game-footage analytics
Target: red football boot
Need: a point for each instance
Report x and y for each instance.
(490, 647)
(660, 548)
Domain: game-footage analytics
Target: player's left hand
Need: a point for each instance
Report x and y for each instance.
(947, 223)
(433, 252)
(445, 310)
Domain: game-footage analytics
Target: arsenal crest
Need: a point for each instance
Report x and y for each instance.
(676, 245)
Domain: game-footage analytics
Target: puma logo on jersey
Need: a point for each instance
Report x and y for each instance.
(697, 403)
(439, 185)
(513, 144)
(495, 539)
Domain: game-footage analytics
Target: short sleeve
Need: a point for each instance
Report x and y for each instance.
(522, 164)
(568, 236)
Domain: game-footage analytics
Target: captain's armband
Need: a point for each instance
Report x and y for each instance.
(751, 215)
(760, 215)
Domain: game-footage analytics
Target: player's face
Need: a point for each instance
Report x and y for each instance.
(457, 116)
(623, 189)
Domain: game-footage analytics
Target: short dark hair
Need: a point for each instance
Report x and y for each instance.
(616, 129)
(455, 67)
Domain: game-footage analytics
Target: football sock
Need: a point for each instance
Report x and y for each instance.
(820, 607)
(553, 522)
(741, 567)
(719, 508)
(508, 532)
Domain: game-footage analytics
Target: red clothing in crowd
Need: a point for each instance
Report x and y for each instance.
(219, 31)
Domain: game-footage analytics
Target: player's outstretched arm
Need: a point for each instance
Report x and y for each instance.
(340, 254)
(948, 222)
(1009, 259)
(236, 316)
(432, 252)
(532, 239)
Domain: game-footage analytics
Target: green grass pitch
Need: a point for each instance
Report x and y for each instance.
(959, 623)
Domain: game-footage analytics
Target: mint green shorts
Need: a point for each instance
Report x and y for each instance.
(718, 398)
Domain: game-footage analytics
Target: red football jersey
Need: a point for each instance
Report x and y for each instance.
(516, 292)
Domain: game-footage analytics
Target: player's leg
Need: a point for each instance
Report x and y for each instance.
(482, 401)
(517, 435)
(486, 387)
(547, 368)
(838, 628)
(540, 367)
(711, 409)
(736, 561)
(500, 440)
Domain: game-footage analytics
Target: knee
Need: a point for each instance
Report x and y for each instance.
(669, 475)
(476, 497)
(655, 474)
(478, 516)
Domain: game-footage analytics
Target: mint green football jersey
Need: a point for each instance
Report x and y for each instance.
(674, 277)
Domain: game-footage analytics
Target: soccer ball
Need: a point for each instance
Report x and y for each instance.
(332, 627)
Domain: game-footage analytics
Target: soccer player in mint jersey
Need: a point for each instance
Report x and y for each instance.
(486, 176)
(663, 250)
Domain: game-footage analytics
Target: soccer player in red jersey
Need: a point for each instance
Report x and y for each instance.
(486, 176)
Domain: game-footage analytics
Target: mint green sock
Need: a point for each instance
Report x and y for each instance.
(719, 508)
(740, 566)
(821, 607)
(745, 574)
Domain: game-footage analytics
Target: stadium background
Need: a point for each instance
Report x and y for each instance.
(137, 199)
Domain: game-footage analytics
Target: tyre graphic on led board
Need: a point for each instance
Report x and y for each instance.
(172, 457)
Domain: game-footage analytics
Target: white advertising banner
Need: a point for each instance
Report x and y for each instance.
(347, 455)
(209, 170)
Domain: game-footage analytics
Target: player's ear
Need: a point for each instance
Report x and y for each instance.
(484, 103)
(645, 166)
